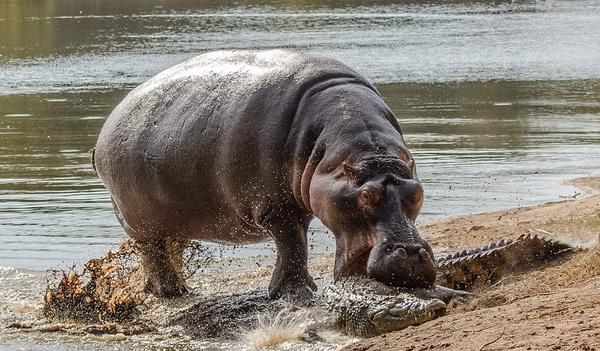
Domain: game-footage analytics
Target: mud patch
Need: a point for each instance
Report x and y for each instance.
(108, 289)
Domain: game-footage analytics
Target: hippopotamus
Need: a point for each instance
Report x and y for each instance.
(241, 147)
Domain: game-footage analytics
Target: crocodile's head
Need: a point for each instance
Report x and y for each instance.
(371, 206)
(402, 311)
(367, 308)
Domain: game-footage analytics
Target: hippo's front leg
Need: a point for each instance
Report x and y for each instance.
(290, 279)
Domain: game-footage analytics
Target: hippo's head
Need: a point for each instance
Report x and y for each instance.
(371, 206)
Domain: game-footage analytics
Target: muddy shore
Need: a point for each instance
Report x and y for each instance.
(556, 308)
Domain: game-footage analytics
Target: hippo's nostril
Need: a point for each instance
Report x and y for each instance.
(424, 255)
(401, 253)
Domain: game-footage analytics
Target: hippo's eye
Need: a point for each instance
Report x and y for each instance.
(370, 196)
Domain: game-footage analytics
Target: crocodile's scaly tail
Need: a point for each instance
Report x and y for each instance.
(487, 264)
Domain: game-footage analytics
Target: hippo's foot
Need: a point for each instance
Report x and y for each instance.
(296, 288)
(161, 260)
(165, 285)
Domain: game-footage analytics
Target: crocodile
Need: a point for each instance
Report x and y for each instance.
(363, 307)
(356, 306)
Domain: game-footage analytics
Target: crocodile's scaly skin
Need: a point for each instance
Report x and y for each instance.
(489, 263)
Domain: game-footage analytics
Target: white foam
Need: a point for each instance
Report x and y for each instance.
(282, 327)
(13, 273)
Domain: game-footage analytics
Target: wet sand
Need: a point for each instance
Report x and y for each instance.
(556, 308)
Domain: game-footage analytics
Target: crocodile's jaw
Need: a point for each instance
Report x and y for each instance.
(404, 312)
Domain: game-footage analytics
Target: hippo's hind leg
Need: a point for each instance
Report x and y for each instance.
(163, 266)
(290, 279)
(162, 262)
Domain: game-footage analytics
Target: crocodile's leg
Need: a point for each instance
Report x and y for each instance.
(442, 293)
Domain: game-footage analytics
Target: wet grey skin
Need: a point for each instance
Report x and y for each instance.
(241, 147)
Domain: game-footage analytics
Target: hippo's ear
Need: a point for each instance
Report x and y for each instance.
(412, 167)
(350, 171)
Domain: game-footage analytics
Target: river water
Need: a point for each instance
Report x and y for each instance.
(498, 102)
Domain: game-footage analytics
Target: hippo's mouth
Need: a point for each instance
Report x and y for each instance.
(352, 263)
(407, 264)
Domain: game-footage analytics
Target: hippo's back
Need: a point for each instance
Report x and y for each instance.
(192, 139)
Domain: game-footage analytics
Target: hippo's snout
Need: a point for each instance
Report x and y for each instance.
(402, 265)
